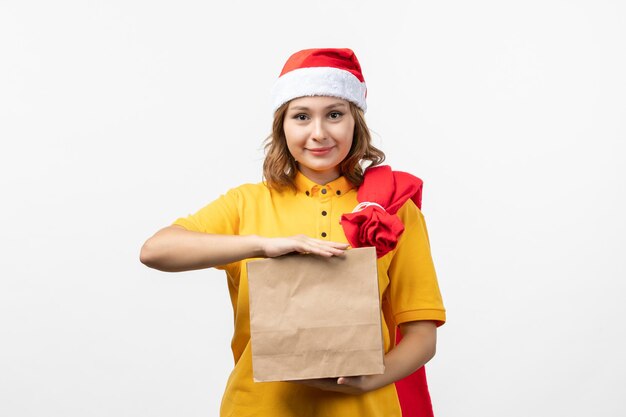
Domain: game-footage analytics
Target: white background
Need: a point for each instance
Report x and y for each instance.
(118, 117)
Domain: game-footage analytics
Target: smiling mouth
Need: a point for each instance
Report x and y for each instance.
(320, 151)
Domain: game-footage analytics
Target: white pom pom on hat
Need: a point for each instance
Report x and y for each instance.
(321, 72)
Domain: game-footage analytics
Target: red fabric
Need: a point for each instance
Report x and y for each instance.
(341, 58)
(374, 226)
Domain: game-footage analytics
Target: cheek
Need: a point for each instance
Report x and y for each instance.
(293, 151)
(291, 142)
(292, 134)
(288, 136)
(346, 149)
(347, 135)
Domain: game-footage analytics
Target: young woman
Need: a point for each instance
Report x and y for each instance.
(313, 168)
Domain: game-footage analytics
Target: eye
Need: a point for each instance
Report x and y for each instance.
(301, 117)
(335, 115)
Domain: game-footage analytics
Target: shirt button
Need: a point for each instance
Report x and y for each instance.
(323, 190)
(324, 213)
(323, 234)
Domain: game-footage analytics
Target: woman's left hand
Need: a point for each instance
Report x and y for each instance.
(415, 349)
(346, 385)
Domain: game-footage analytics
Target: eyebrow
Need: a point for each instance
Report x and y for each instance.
(334, 105)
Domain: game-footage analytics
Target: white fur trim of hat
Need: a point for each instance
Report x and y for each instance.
(321, 72)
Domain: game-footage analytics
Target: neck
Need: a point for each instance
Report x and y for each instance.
(321, 177)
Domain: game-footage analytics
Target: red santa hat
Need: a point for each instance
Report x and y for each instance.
(320, 72)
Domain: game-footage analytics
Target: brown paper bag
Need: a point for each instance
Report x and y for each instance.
(315, 317)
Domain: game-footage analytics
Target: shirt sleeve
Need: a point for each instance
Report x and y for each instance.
(221, 216)
(413, 288)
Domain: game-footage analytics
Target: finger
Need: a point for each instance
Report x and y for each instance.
(319, 249)
(307, 245)
(338, 245)
(343, 381)
(327, 253)
(334, 247)
(351, 381)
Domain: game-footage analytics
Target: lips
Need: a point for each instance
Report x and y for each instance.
(320, 151)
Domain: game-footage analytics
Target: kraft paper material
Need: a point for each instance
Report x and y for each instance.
(315, 317)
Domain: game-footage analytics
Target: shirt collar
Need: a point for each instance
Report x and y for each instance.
(338, 187)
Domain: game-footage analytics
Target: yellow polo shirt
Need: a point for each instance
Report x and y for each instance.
(407, 282)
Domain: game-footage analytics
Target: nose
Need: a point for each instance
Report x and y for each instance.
(319, 130)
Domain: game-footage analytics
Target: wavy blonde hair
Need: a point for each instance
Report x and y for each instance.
(280, 168)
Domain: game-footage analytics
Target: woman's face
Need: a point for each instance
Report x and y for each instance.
(319, 132)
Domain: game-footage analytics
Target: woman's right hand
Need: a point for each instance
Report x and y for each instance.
(176, 249)
(273, 247)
